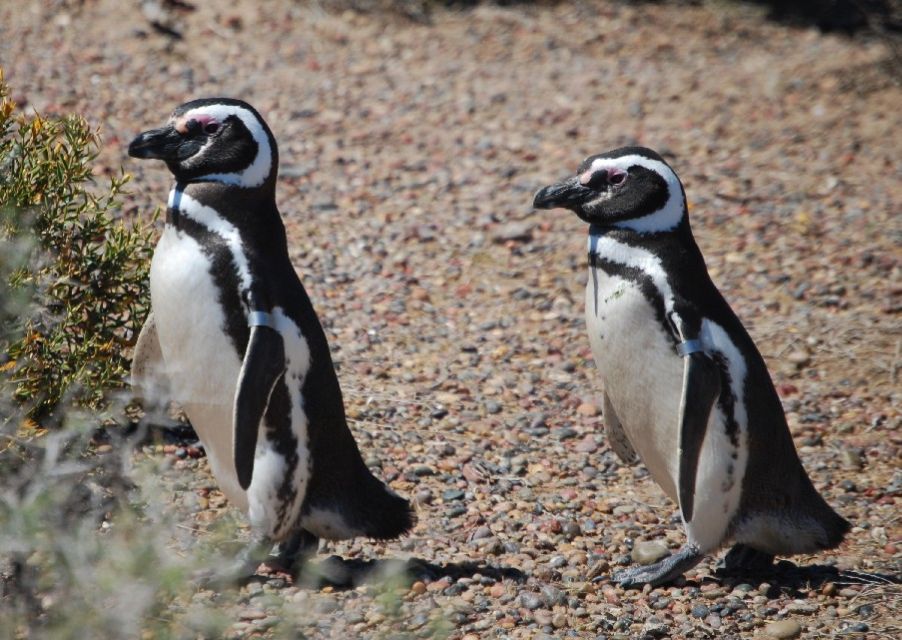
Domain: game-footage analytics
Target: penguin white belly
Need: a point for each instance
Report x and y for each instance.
(642, 376)
(199, 357)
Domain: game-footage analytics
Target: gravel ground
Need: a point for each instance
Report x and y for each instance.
(410, 153)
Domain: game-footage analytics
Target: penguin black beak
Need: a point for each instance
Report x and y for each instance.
(567, 194)
(159, 144)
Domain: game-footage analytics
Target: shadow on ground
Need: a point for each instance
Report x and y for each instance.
(786, 577)
(342, 573)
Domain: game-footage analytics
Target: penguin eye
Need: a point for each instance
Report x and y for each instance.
(211, 127)
(616, 177)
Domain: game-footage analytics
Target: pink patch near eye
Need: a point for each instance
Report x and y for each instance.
(586, 177)
(204, 119)
(615, 176)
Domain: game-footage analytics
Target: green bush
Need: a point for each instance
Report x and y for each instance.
(84, 270)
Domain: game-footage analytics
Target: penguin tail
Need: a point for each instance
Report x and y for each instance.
(834, 525)
(360, 505)
(383, 514)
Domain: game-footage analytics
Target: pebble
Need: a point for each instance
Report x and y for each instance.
(782, 629)
(850, 459)
(649, 552)
(801, 607)
(587, 445)
(700, 611)
(531, 601)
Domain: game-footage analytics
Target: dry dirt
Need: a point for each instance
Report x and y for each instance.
(409, 156)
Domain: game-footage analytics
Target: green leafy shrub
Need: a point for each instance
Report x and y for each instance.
(85, 270)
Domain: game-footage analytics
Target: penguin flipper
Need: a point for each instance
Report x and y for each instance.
(150, 386)
(264, 364)
(701, 388)
(617, 437)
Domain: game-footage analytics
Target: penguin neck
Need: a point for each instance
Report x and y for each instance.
(681, 234)
(238, 205)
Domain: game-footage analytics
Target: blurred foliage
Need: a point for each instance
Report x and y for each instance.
(83, 270)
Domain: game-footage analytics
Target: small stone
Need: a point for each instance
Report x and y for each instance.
(801, 607)
(566, 433)
(587, 444)
(252, 614)
(781, 629)
(850, 459)
(492, 407)
(559, 621)
(700, 611)
(552, 595)
(649, 552)
(513, 232)
(587, 409)
(482, 532)
(452, 494)
(531, 601)
(542, 617)
(418, 588)
(714, 621)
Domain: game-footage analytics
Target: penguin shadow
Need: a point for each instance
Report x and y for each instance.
(349, 573)
(787, 578)
(332, 571)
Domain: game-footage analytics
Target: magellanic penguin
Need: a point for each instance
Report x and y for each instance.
(685, 388)
(240, 345)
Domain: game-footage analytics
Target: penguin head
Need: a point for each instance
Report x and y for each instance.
(213, 140)
(630, 187)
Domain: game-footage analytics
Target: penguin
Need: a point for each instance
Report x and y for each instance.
(685, 389)
(234, 339)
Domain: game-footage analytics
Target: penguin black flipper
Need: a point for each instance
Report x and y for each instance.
(263, 365)
(701, 388)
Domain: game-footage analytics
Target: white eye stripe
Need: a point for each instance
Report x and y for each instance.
(667, 217)
(258, 171)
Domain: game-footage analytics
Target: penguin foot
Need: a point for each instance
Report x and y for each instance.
(243, 568)
(666, 570)
(744, 559)
(296, 550)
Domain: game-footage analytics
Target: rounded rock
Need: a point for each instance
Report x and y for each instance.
(645, 553)
(781, 629)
